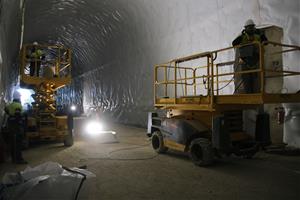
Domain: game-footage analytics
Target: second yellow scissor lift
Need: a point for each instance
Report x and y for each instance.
(200, 108)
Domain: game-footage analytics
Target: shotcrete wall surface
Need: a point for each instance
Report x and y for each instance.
(117, 42)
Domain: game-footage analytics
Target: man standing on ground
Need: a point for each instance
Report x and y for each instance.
(15, 125)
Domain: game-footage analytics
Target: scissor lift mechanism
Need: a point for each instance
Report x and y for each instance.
(43, 122)
(196, 120)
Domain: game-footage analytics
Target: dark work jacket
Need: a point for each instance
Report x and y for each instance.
(244, 38)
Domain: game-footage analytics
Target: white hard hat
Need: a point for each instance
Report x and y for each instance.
(249, 22)
(35, 43)
(16, 95)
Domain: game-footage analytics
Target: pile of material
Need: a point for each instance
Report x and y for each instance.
(46, 181)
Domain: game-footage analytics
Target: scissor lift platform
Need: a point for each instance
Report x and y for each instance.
(203, 104)
(52, 71)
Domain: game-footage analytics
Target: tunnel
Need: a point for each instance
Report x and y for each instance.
(116, 43)
(115, 46)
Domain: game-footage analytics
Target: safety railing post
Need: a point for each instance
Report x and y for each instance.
(211, 64)
(166, 81)
(185, 76)
(217, 77)
(208, 77)
(175, 83)
(262, 69)
(154, 84)
(194, 82)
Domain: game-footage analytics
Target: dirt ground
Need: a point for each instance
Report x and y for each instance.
(129, 169)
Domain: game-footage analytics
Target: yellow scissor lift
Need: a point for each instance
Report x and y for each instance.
(50, 72)
(202, 106)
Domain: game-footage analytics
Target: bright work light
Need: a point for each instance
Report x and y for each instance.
(73, 108)
(94, 128)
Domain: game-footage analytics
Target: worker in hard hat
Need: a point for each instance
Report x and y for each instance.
(249, 34)
(36, 56)
(15, 124)
(248, 58)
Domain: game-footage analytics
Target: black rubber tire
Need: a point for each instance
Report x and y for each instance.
(157, 142)
(69, 141)
(201, 152)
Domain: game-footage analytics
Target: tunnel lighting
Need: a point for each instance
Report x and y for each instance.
(73, 108)
(94, 128)
(26, 95)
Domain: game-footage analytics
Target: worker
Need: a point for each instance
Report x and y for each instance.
(248, 58)
(15, 125)
(36, 56)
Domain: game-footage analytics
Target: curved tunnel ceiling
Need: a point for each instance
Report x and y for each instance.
(108, 52)
(117, 42)
(95, 30)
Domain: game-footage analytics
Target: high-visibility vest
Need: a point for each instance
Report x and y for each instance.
(250, 38)
(14, 107)
(37, 54)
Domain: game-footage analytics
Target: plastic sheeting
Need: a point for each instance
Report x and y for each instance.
(117, 42)
(48, 180)
(10, 24)
(292, 125)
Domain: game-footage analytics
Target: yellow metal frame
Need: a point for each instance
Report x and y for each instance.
(60, 66)
(51, 127)
(213, 100)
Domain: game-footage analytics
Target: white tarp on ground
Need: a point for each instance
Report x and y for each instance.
(46, 181)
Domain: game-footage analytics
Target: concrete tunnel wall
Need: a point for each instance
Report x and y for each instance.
(117, 42)
(10, 28)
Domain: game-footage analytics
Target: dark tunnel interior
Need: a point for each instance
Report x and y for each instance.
(116, 43)
(160, 104)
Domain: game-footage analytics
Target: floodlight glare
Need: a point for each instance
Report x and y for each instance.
(94, 128)
(73, 108)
